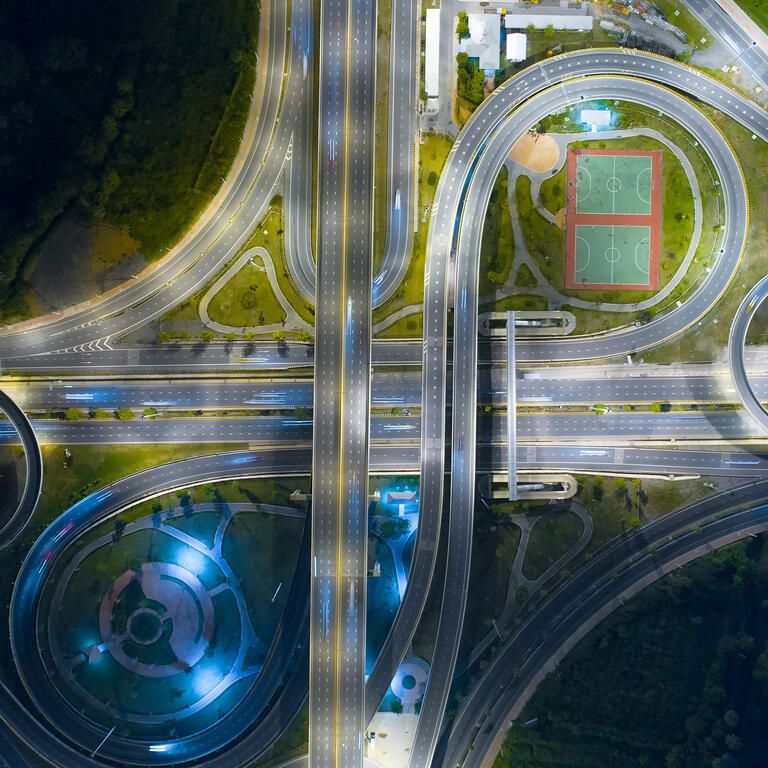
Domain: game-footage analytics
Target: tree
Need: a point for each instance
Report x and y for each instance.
(462, 25)
(231, 337)
(306, 337)
(125, 414)
(549, 31)
(393, 527)
(164, 337)
(279, 337)
(249, 336)
(656, 407)
(72, 414)
(207, 337)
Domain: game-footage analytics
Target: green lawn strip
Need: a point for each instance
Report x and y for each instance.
(757, 10)
(494, 546)
(525, 278)
(686, 21)
(382, 132)
(552, 190)
(432, 155)
(552, 536)
(405, 328)
(523, 302)
(247, 299)
(186, 313)
(497, 249)
(545, 241)
(670, 679)
(705, 342)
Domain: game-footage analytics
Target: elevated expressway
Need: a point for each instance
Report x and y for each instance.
(401, 159)
(342, 383)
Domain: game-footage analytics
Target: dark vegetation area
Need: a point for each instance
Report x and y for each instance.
(129, 113)
(676, 679)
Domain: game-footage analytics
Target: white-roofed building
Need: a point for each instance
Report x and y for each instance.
(484, 41)
(574, 23)
(517, 46)
(596, 118)
(432, 53)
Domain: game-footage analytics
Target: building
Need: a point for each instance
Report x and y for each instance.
(517, 47)
(573, 23)
(484, 41)
(596, 118)
(432, 53)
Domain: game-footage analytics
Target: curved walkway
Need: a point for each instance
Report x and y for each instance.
(292, 319)
(545, 288)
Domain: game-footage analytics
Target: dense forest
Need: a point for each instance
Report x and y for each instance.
(678, 678)
(129, 112)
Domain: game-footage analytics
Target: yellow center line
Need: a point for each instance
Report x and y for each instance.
(340, 492)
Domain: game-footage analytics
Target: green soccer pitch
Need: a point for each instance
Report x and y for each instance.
(613, 219)
(613, 184)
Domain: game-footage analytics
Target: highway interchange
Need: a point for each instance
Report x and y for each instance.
(444, 388)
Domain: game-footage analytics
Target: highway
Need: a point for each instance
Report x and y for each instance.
(719, 23)
(401, 173)
(620, 569)
(583, 428)
(541, 387)
(342, 382)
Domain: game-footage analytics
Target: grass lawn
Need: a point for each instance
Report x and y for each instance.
(552, 536)
(247, 299)
(494, 546)
(432, 155)
(707, 340)
(758, 11)
(525, 278)
(686, 21)
(405, 328)
(186, 313)
(520, 302)
(546, 243)
(497, 249)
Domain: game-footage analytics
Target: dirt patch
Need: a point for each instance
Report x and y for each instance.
(77, 262)
(560, 218)
(536, 152)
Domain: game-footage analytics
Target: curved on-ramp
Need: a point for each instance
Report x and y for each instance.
(621, 569)
(736, 351)
(33, 482)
